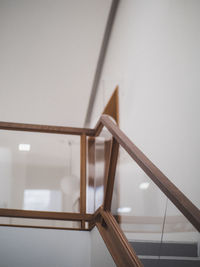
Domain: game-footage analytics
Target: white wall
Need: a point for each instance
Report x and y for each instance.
(22, 247)
(154, 56)
(100, 256)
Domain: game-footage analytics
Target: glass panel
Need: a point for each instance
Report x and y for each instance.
(98, 155)
(90, 195)
(39, 223)
(39, 171)
(180, 238)
(153, 225)
(138, 205)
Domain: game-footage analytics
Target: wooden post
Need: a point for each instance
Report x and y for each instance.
(91, 174)
(83, 178)
(111, 175)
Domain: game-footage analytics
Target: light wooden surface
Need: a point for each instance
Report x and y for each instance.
(91, 173)
(83, 178)
(190, 211)
(67, 216)
(116, 242)
(112, 107)
(111, 175)
(12, 126)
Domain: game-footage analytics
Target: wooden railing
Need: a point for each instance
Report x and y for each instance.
(116, 242)
(75, 217)
(189, 210)
(103, 219)
(25, 127)
(113, 236)
(105, 222)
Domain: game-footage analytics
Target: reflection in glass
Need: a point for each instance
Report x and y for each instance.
(153, 225)
(42, 199)
(39, 171)
(138, 204)
(177, 228)
(98, 162)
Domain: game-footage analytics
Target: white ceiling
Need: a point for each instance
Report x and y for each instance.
(48, 55)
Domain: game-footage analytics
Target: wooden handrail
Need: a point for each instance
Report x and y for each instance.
(108, 227)
(43, 227)
(190, 211)
(83, 177)
(99, 126)
(110, 179)
(116, 242)
(49, 215)
(11, 126)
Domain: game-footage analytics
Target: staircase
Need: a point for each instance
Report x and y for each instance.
(171, 254)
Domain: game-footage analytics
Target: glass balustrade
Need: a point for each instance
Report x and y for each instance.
(180, 239)
(153, 225)
(39, 171)
(138, 205)
(98, 163)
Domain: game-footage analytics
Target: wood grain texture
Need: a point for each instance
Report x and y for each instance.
(116, 242)
(98, 128)
(112, 107)
(91, 174)
(107, 154)
(83, 178)
(190, 211)
(95, 218)
(111, 174)
(44, 128)
(45, 215)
